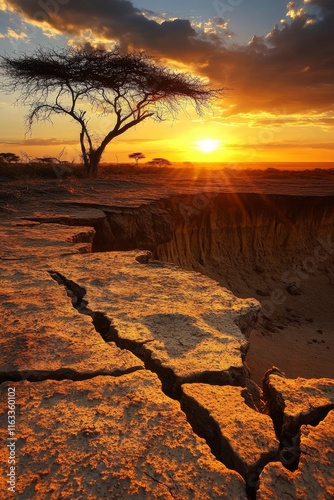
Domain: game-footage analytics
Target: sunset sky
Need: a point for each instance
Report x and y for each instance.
(277, 58)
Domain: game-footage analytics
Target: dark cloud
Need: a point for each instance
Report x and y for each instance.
(112, 19)
(291, 70)
(327, 5)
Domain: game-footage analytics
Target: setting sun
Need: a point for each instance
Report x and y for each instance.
(208, 145)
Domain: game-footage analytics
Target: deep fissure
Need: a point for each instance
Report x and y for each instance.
(219, 446)
(104, 327)
(59, 375)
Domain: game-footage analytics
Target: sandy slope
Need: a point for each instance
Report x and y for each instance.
(302, 344)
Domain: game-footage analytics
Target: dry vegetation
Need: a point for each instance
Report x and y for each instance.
(41, 170)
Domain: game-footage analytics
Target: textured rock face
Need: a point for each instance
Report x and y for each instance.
(231, 234)
(183, 323)
(114, 436)
(111, 438)
(314, 477)
(43, 336)
(29, 240)
(294, 402)
(244, 439)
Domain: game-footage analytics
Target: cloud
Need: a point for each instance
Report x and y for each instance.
(137, 141)
(40, 142)
(113, 19)
(324, 121)
(292, 67)
(290, 70)
(14, 34)
(283, 145)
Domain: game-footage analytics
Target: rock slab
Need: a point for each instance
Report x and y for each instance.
(109, 438)
(314, 478)
(241, 437)
(43, 336)
(183, 322)
(294, 402)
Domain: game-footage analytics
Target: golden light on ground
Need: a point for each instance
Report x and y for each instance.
(208, 145)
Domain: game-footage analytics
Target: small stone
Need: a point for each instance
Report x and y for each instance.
(144, 257)
(293, 289)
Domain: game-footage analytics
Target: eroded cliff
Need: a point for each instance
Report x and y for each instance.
(279, 249)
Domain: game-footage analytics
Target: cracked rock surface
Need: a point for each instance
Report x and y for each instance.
(112, 438)
(314, 478)
(28, 240)
(42, 336)
(243, 438)
(294, 402)
(181, 321)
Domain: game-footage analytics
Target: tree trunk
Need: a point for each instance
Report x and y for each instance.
(92, 163)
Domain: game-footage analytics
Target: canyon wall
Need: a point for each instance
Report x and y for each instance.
(236, 239)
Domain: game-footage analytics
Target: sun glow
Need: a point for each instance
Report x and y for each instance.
(208, 145)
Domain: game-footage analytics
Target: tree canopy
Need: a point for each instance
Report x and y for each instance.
(137, 157)
(9, 157)
(161, 162)
(130, 87)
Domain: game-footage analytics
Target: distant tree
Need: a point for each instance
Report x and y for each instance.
(46, 159)
(60, 167)
(161, 162)
(137, 157)
(131, 87)
(9, 157)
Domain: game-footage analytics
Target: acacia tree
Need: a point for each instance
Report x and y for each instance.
(9, 157)
(161, 162)
(137, 157)
(130, 87)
